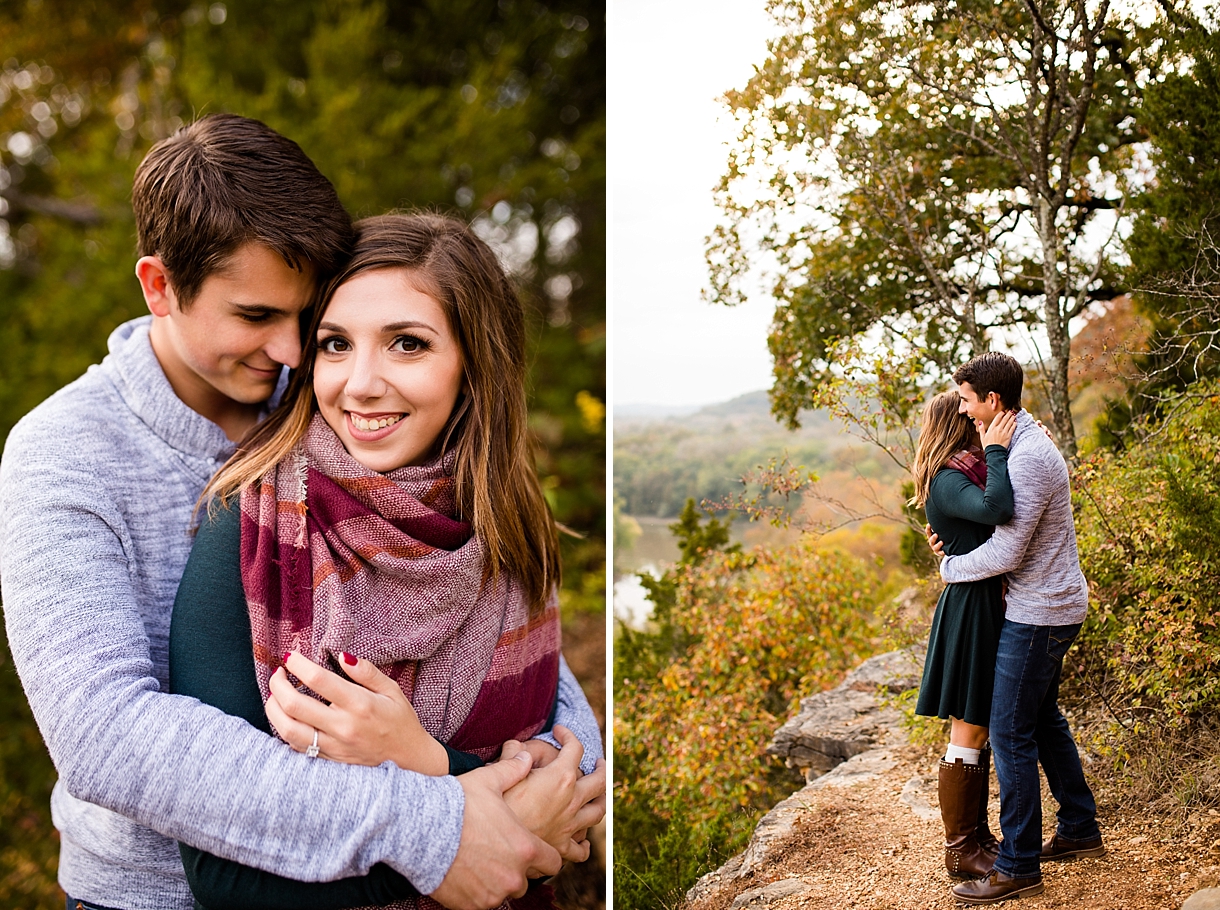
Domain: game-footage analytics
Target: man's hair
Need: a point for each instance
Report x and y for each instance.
(993, 372)
(225, 181)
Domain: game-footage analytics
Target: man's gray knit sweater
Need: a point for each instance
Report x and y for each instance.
(1037, 549)
(97, 488)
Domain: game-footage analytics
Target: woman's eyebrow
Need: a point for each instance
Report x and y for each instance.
(385, 329)
(408, 324)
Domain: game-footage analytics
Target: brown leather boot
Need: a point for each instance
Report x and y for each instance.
(987, 841)
(959, 809)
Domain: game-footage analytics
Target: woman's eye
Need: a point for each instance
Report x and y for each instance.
(333, 345)
(409, 344)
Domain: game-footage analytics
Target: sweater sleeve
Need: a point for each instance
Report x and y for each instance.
(212, 659)
(957, 495)
(184, 769)
(1005, 549)
(572, 710)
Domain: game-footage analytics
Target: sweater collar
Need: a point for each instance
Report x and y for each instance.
(1025, 423)
(144, 387)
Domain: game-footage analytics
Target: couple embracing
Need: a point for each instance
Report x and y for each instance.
(291, 623)
(997, 497)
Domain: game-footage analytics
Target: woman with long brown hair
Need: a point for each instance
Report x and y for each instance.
(962, 484)
(387, 517)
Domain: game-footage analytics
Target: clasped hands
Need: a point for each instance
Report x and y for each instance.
(369, 720)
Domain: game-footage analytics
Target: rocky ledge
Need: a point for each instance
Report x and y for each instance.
(851, 737)
(836, 738)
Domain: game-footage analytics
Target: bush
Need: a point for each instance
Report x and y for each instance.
(1148, 522)
(739, 638)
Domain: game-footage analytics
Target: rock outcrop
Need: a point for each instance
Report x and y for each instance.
(844, 738)
(851, 718)
(836, 739)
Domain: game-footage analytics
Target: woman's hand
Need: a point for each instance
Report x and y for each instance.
(556, 802)
(1001, 430)
(934, 541)
(543, 753)
(367, 722)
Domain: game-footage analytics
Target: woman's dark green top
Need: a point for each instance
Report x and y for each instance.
(211, 657)
(962, 515)
(959, 669)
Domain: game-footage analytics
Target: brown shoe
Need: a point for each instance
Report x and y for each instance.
(1060, 847)
(960, 788)
(996, 886)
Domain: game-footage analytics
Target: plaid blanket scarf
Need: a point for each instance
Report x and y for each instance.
(971, 463)
(335, 557)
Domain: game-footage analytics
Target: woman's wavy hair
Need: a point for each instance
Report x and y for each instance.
(942, 432)
(497, 486)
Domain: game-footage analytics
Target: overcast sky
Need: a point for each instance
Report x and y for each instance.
(669, 60)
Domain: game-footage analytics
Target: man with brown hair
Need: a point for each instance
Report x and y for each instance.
(97, 489)
(1046, 603)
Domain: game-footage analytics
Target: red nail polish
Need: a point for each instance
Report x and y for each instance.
(287, 654)
(349, 659)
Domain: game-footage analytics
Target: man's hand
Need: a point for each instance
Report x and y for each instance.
(497, 856)
(559, 804)
(934, 542)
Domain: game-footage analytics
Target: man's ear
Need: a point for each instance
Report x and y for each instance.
(155, 283)
(993, 399)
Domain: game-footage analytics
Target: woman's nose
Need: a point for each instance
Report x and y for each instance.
(365, 380)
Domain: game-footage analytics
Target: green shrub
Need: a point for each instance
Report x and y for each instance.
(738, 640)
(1148, 522)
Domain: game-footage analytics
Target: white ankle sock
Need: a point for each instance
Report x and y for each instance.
(968, 756)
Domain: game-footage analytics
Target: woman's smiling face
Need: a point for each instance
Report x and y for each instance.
(388, 371)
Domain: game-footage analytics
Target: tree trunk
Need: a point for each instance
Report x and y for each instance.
(1056, 333)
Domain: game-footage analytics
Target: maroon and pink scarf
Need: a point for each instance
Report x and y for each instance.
(335, 557)
(972, 463)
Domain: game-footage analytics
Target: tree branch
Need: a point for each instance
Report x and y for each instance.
(76, 212)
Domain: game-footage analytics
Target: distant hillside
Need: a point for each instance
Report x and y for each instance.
(661, 461)
(646, 412)
(751, 409)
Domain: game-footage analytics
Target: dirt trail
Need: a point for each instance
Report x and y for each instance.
(863, 844)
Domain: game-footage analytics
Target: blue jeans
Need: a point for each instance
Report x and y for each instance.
(1027, 727)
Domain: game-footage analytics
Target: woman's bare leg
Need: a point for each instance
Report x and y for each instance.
(970, 736)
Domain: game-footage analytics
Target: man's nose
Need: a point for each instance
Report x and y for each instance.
(284, 346)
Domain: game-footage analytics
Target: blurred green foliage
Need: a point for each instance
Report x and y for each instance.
(913, 546)
(493, 110)
(657, 468)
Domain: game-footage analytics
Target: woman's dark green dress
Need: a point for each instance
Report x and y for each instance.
(959, 670)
